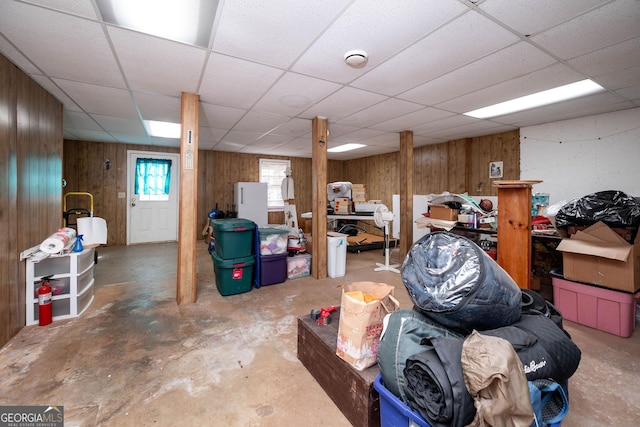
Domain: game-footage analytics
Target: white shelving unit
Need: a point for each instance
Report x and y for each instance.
(72, 281)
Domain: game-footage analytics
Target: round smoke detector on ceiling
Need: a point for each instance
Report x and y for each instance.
(356, 58)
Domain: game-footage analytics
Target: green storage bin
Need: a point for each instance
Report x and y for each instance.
(233, 237)
(233, 276)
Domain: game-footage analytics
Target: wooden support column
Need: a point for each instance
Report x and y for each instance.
(514, 229)
(320, 133)
(188, 207)
(406, 192)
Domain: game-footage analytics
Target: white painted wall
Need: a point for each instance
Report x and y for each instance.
(577, 157)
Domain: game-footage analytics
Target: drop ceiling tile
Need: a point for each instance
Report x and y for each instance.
(255, 121)
(343, 103)
(218, 116)
(381, 28)
(79, 120)
(74, 7)
(242, 138)
(294, 93)
(429, 129)
(75, 48)
(120, 125)
(99, 99)
(514, 61)
(450, 47)
(211, 134)
(234, 82)
(528, 17)
(610, 24)
(421, 140)
(159, 107)
(17, 57)
(387, 109)
(262, 31)
(384, 140)
(618, 57)
(156, 65)
(54, 90)
(294, 128)
(207, 144)
(470, 130)
(164, 142)
(536, 81)
(409, 121)
(356, 136)
(229, 146)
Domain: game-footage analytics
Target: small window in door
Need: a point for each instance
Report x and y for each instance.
(153, 179)
(272, 171)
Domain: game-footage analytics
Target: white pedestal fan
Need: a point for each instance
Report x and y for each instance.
(382, 217)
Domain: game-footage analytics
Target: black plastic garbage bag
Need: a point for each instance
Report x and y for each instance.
(454, 282)
(614, 208)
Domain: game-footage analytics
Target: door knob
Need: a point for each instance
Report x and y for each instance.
(133, 201)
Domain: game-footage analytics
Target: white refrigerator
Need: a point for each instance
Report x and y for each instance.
(251, 201)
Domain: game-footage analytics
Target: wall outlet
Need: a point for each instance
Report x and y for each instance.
(121, 195)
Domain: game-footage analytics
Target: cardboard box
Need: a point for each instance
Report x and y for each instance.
(600, 256)
(342, 206)
(443, 212)
(358, 193)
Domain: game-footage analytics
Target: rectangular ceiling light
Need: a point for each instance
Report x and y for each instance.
(187, 21)
(546, 97)
(163, 129)
(345, 147)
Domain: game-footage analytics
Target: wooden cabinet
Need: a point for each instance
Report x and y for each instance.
(71, 282)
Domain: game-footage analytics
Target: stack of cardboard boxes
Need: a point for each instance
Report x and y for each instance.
(600, 283)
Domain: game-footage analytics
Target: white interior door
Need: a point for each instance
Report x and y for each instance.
(152, 219)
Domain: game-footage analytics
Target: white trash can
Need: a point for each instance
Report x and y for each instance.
(336, 254)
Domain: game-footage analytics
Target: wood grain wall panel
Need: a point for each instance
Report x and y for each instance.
(9, 172)
(437, 168)
(504, 147)
(431, 169)
(30, 188)
(457, 165)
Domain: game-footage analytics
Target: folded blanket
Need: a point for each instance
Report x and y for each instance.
(435, 385)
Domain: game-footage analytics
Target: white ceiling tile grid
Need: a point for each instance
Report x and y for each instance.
(271, 67)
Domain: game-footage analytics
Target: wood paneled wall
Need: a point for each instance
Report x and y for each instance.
(85, 171)
(30, 183)
(463, 165)
(455, 166)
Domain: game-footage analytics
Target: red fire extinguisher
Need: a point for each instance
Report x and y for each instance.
(45, 314)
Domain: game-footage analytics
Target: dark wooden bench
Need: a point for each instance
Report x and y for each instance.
(351, 390)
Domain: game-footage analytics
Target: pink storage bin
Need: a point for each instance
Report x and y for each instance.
(607, 310)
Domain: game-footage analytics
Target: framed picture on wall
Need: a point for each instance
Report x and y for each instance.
(495, 169)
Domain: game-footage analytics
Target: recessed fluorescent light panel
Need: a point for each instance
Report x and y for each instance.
(551, 96)
(163, 129)
(187, 21)
(345, 147)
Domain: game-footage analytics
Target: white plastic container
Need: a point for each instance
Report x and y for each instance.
(336, 254)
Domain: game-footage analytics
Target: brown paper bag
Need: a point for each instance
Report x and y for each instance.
(361, 322)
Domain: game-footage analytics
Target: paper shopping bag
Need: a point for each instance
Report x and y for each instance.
(363, 307)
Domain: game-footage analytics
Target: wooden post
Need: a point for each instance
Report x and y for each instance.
(319, 204)
(188, 207)
(406, 192)
(514, 229)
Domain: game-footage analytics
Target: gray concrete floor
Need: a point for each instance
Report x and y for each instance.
(136, 358)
